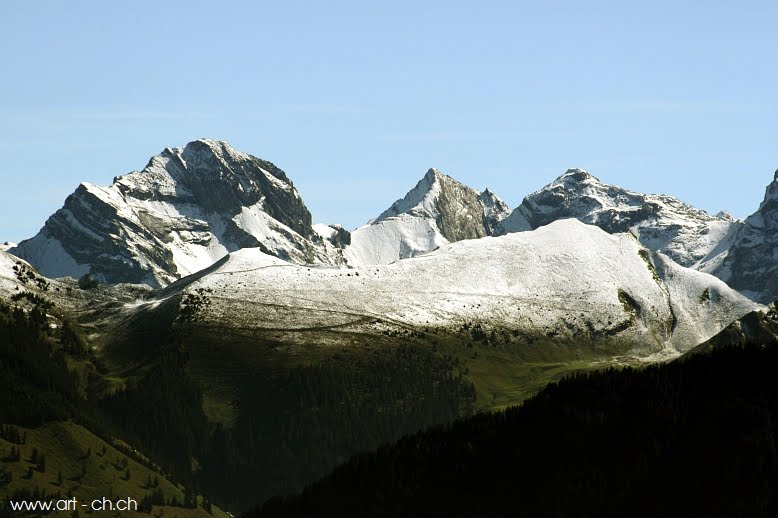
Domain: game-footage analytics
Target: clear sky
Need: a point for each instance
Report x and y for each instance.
(356, 100)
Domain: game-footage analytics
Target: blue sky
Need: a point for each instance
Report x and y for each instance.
(356, 100)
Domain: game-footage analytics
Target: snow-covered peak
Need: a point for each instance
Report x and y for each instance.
(574, 176)
(204, 147)
(187, 208)
(495, 211)
(432, 174)
(459, 211)
(438, 210)
(663, 223)
(492, 202)
(421, 200)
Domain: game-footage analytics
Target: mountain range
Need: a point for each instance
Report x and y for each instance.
(193, 205)
(256, 350)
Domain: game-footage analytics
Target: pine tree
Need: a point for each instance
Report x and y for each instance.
(190, 498)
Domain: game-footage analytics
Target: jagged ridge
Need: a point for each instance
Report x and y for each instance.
(661, 223)
(747, 260)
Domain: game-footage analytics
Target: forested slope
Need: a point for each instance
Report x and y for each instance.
(696, 437)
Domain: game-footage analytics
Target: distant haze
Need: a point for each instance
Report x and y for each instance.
(355, 101)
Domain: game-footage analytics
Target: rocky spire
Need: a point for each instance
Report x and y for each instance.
(748, 264)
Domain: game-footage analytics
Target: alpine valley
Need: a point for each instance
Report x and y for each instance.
(189, 336)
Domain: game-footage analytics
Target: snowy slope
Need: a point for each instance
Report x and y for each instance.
(565, 280)
(394, 238)
(437, 211)
(9, 281)
(18, 277)
(187, 208)
(661, 223)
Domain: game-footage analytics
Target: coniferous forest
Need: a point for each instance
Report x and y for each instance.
(293, 426)
(693, 438)
(35, 382)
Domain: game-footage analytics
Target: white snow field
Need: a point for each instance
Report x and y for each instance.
(564, 280)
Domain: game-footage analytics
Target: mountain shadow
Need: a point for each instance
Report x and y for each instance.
(695, 437)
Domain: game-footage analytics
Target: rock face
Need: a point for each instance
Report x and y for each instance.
(437, 211)
(336, 235)
(661, 223)
(187, 208)
(748, 261)
(495, 212)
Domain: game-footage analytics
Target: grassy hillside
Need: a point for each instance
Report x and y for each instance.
(507, 368)
(49, 378)
(63, 458)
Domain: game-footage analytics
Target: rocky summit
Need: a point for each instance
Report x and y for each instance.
(662, 223)
(437, 211)
(187, 208)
